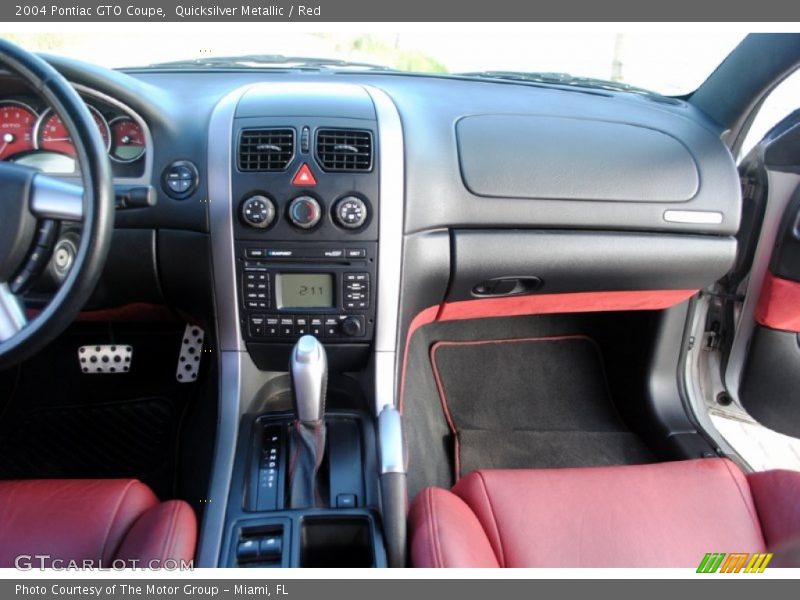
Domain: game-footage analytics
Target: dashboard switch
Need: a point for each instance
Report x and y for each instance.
(304, 176)
(352, 327)
(305, 212)
(258, 211)
(180, 179)
(350, 212)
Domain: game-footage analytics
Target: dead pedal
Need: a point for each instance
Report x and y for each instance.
(190, 354)
(105, 359)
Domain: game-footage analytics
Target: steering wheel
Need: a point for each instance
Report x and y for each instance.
(31, 203)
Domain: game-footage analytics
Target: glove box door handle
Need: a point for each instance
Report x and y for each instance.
(506, 286)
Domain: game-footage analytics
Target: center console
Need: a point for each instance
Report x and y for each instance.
(297, 223)
(343, 531)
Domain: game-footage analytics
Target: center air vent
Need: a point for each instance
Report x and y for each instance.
(344, 149)
(266, 149)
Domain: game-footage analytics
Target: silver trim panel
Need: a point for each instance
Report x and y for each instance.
(231, 355)
(147, 175)
(391, 444)
(695, 217)
(53, 198)
(220, 209)
(390, 244)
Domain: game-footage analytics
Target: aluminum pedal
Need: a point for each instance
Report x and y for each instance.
(105, 359)
(191, 353)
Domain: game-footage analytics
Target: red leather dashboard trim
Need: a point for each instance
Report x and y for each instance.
(779, 304)
(546, 304)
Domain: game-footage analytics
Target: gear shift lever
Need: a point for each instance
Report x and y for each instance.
(309, 372)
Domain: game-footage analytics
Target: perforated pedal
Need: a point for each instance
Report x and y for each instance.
(191, 353)
(105, 359)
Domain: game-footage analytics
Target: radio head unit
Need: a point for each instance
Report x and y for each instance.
(290, 289)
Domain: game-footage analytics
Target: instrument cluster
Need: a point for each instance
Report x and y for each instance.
(33, 135)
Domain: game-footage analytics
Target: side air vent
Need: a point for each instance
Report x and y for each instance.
(344, 149)
(265, 149)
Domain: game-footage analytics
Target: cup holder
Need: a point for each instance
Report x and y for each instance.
(336, 541)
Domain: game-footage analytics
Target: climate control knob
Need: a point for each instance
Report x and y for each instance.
(304, 212)
(351, 212)
(258, 211)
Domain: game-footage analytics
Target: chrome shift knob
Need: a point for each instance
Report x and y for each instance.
(309, 369)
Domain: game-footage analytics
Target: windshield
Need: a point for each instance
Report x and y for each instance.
(666, 63)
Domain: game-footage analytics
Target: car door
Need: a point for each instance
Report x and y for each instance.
(763, 369)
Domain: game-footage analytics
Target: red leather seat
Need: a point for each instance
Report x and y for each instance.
(110, 522)
(658, 515)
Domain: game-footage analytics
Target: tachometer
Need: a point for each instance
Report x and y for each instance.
(127, 140)
(52, 135)
(17, 121)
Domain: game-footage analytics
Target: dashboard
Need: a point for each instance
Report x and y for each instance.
(575, 189)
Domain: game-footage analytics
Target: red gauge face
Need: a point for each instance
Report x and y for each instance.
(16, 129)
(127, 140)
(52, 134)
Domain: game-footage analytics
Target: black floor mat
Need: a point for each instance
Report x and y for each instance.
(60, 422)
(106, 440)
(539, 402)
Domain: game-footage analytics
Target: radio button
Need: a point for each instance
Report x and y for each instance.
(272, 326)
(287, 327)
(316, 326)
(256, 326)
(356, 277)
(300, 326)
(331, 327)
(254, 253)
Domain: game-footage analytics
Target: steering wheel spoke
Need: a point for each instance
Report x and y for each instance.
(12, 313)
(53, 198)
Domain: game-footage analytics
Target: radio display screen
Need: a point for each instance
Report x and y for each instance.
(304, 290)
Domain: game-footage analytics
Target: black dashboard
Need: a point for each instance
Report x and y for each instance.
(636, 187)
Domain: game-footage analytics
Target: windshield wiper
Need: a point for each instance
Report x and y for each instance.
(273, 61)
(560, 79)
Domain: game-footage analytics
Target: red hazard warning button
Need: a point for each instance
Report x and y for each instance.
(304, 176)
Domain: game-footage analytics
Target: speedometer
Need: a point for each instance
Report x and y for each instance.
(17, 121)
(52, 135)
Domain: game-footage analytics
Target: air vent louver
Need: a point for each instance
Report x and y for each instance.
(265, 149)
(344, 149)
